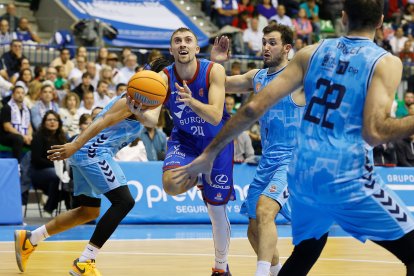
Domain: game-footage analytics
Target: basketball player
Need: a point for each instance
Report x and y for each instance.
(95, 172)
(196, 103)
(268, 193)
(349, 85)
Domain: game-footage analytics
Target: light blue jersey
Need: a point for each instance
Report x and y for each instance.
(278, 127)
(331, 176)
(109, 141)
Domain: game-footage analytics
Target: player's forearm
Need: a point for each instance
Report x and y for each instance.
(389, 129)
(207, 112)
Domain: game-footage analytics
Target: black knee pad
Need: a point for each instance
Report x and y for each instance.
(121, 198)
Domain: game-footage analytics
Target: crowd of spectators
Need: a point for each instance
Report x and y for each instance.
(52, 103)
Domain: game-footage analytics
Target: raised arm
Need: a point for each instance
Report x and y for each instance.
(379, 127)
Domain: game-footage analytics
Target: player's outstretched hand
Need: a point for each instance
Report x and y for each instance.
(61, 152)
(135, 107)
(220, 51)
(185, 93)
(202, 164)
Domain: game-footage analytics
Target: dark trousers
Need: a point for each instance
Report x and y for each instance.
(15, 141)
(47, 181)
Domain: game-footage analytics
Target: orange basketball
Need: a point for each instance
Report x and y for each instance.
(148, 88)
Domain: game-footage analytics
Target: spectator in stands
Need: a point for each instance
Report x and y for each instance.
(251, 65)
(246, 5)
(405, 152)
(33, 95)
(25, 77)
(43, 172)
(397, 41)
(5, 34)
(51, 75)
(64, 60)
(153, 55)
(61, 82)
(120, 88)
(381, 41)
(44, 104)
(101, 58)
(101, 97)
(106, 75)
(117, 75)
(281, 17)
(84, 122)
(39, 74)
(230, 104)
(407, 54)
(155, 142)
(133, 152)
(385, 155)
(24, 32)
(126, 51)
(24, 64)
(226, 12)
(10, 61)
(84, 86)
(11, 17)
(75, 75)
(69, 114)
(130, 64)
(16, 129)
(402, 109)
(81, 51)
(331, 10)
(312, 12)
(95, 111)
(254, 133)
(241, 21)
(252, 37)
(5, 91)
(303, 26)
(266, 9)
(88, 103)
(93, 73)
(298, 44)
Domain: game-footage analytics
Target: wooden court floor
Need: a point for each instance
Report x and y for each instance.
(342, 256)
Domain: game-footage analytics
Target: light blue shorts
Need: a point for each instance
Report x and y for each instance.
(97, 178)
(270, 180)
(380, 216)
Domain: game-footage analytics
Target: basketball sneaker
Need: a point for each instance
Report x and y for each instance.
(23, 248)
(221, 272)
(87, 268)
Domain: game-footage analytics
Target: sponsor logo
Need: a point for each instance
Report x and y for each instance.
(258, 86)
(180, 113)
(221, 179)
(328, 61)
(192, 120)
(177, 151)
(272, 189)
(342, 66)
(218, 197)
(142, 99)
(347, 50)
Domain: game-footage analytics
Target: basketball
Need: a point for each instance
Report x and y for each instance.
(148, 88)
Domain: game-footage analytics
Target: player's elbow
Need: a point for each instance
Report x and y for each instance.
(251, 110)
(372, 136)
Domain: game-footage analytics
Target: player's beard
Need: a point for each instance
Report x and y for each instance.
(274, 62)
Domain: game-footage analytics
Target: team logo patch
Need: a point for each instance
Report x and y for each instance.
(221, 179)
(201, 92)
(272, 189)
(258, 86)
(218, 197)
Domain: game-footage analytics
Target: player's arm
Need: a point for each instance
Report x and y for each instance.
(241, 83)
(379, 126)
(213, 111)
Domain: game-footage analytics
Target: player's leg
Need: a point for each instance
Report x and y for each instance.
(384, 219)
(26, 241)
(252, 234)
(216, 196)
(310, 226)
(105, 177)
(177, 155)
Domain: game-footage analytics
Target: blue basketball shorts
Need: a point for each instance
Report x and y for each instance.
(380, 216)
(182, 150)
(97, 178)
(270, 180)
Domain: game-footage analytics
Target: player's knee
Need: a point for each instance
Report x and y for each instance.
(128, 203)
(264, 215)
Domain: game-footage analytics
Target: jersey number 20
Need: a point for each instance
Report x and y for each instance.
(329, 89)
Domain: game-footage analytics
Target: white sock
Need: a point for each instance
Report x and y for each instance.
(263, 268)
(38, 235)
(274, 269)
(89, 253)
(221, 234)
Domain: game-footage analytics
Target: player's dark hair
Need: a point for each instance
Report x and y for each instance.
(363, 14)
(158, 64)
(286, 32)
(181, 30)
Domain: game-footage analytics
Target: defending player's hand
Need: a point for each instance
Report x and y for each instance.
(61, 152)
(220, 51)
(185, 93)
(202, 164)
(135, 107)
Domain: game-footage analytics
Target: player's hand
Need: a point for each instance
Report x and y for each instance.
(202, 164)
(220, 51)
(135, 107)
(185, 93)
(61, 152)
